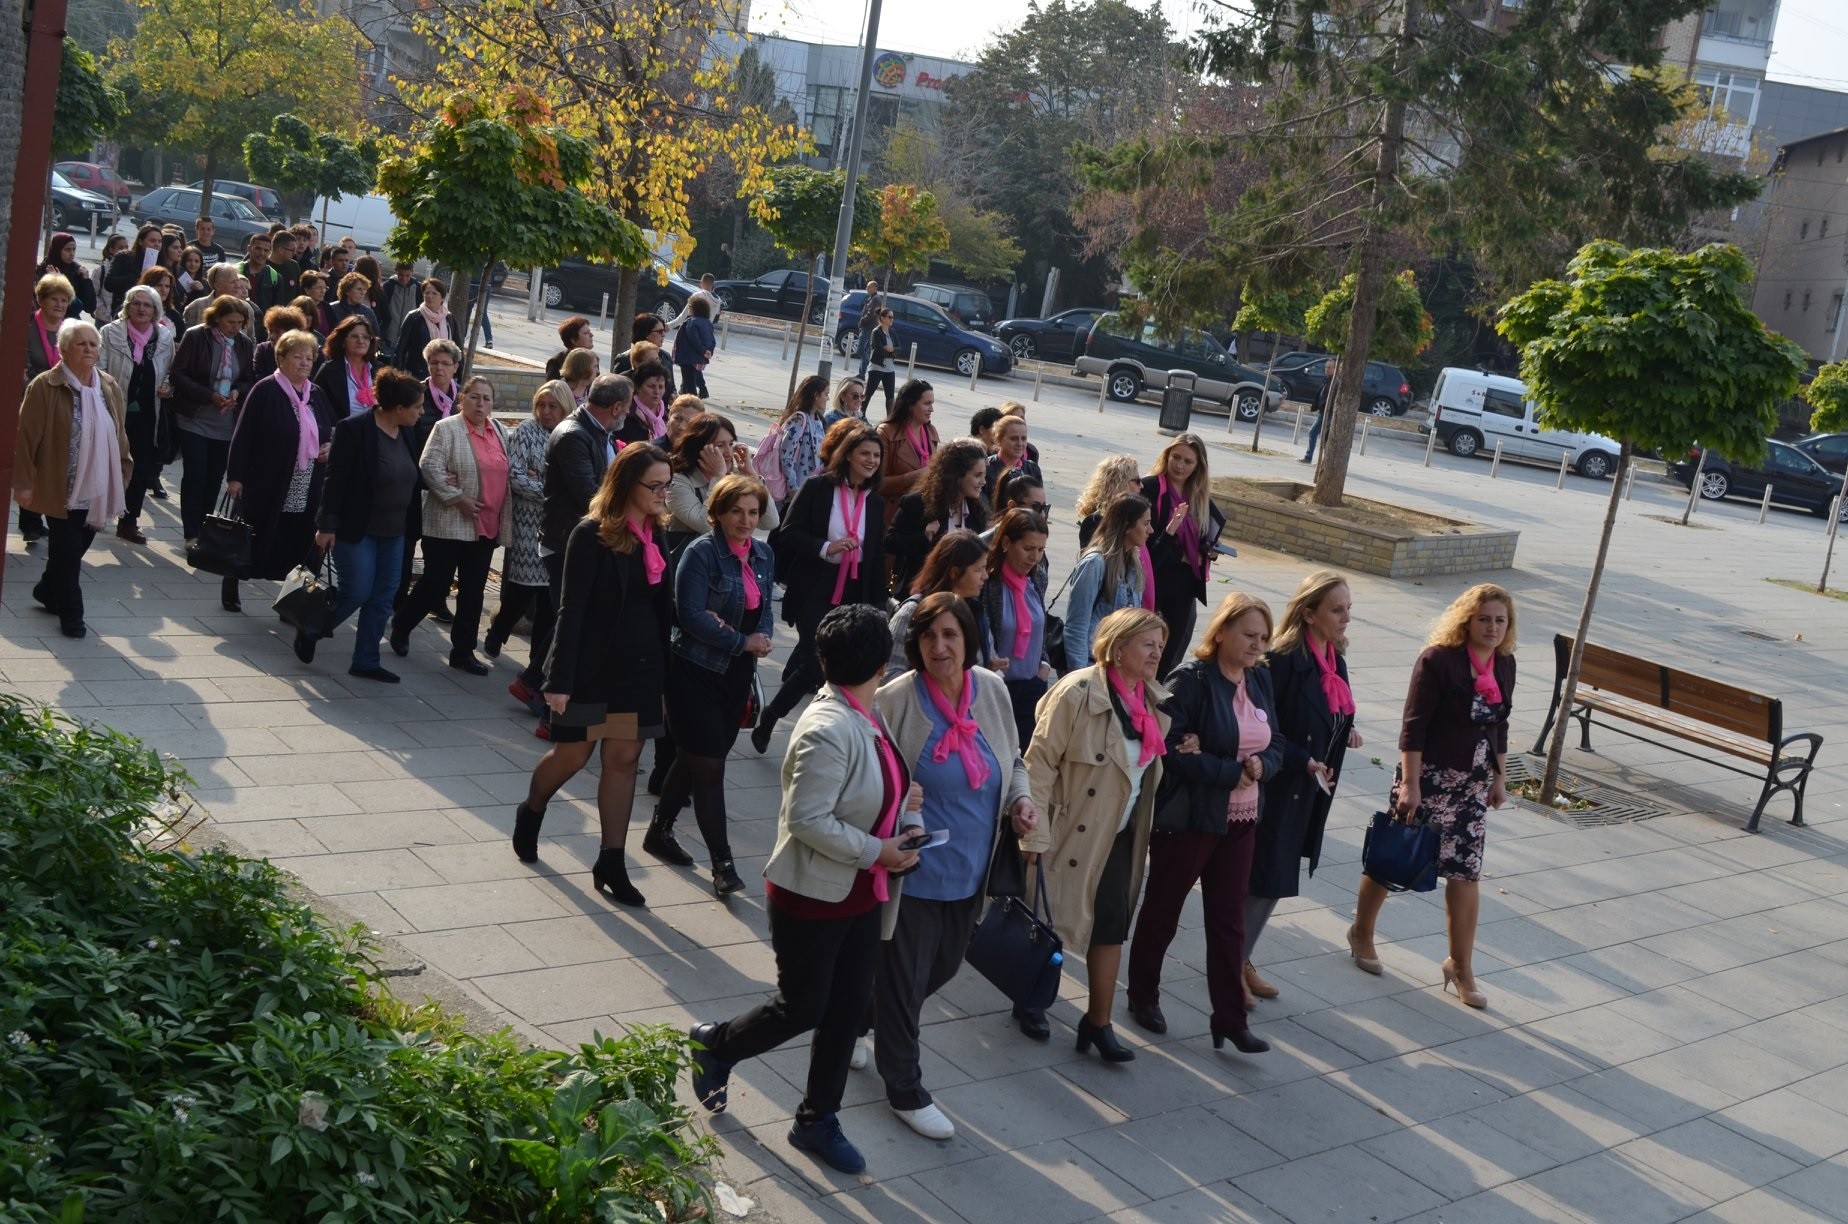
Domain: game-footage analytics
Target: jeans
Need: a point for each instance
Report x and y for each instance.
(1315, 432)
(465, 563)
(61, 589)
(205, 460)
(367, 571)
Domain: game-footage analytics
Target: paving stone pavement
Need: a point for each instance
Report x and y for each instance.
(1668, 1030)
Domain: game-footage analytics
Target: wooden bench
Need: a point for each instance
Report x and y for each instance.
(1721, 717)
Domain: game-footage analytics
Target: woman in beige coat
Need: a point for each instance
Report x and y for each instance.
(1095, 764)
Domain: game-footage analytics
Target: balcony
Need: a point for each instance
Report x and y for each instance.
(1748, 22)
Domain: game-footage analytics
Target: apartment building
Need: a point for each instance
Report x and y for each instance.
(1803, 269)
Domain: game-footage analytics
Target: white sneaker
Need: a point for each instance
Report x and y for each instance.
(862, 1053)
(929, 1122)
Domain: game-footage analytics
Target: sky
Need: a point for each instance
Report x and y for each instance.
(1810, 47)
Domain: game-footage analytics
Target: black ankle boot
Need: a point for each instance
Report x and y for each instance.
(760, 734)
(1105, 1039)
(660, 842)
(610, 873)
(725, 879)
(526, 833)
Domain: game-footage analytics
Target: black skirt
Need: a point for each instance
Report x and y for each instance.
(1112, 907)
(706, 708)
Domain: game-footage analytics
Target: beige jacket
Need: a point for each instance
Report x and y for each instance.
(1081, 785)
(43, 462)
(450, 453)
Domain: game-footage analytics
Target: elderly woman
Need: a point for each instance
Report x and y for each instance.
(1095, 764)
(722, 593)
(467, 513)
(1453, 767)
(278, 461)
(218, 283)
(707, 451)
(213, 369)
(957, 565)
(575, 332)
(524, 582)
(1187, 526)
(347, 374)
(954, 728)
(948, 498)
(431, 321)
(1109, 576)
(137, 353)
(72, 465)
(1221, 750)
(848, 805)
(1013, 604)
(54, 294)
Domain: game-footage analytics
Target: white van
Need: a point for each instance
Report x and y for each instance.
(368, 218)
(1472, 412)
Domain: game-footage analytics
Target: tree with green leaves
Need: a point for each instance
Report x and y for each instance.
(981, 241)
(1402, 327)
(89, 107)
(1279, 311)
(1827, 393)
(907, 234)
(493, 179)
(1658, 350)
(298, 161)
(800, 210)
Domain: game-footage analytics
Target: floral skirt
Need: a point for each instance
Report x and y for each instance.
(1456, 802)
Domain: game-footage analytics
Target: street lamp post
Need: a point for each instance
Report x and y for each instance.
(843, 229)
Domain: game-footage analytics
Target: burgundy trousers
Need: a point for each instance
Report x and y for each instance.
(1221, 864)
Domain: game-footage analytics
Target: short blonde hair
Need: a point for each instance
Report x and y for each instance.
(578, 363)
(1014, 409)
(1120, 626)
(53, 284)
(558, 393)
(642, 352)
(1229, 610)
(293, 340)
(1452, 626)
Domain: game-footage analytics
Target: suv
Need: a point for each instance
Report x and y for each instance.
(940, 341)
(1472, 411)
(237, 217)
(1384, 392)
(266, 199)
(1132, 358)
(89, 176)
(965, 304)
(578, 283)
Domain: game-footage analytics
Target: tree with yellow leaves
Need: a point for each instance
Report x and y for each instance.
(909, 232)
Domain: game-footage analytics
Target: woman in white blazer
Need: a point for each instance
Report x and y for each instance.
(848, 807)
(467, 512)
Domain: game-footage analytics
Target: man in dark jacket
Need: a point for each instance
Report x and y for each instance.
(869, 320)
(402, 294)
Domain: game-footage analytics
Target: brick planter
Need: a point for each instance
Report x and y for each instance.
(1265, 513)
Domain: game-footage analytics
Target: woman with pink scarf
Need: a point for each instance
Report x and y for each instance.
(430, 321)
(137, 353)
(1181, 550)
(279, 459)
(72, 465)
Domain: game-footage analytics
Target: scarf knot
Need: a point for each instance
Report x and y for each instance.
(445, 401)
(138, 338)
(362, 385)
(1340, 695)
(1142, 719)
(853, 514)
(741, 549)
(1486, 687)
(962, 736)
(653, 563)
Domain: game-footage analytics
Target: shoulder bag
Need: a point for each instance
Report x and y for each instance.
(223, 545)
(1402, 855)
(1016, 949)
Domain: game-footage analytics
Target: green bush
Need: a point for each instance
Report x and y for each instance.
(180, 1041)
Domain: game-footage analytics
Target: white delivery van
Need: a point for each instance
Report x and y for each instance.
(368, 218)
(1472, 411)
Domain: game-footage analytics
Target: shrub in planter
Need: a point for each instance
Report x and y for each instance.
(181, 1041)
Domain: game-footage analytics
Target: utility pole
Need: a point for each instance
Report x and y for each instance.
(843, 229)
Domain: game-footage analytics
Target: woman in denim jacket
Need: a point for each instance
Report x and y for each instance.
(722, 604)
(1110, 576)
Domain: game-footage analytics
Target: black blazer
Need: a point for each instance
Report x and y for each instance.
(576, 456)
(1295, 808)
(907, 544)
(798, 540)
(262, 455)
(332, 379)
(595, 581)
(191, 373)
(1165, 550)
(407, 353)
(1200, 701)
(346, 495)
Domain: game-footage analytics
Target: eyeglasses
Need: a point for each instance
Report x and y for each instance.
(656, 486)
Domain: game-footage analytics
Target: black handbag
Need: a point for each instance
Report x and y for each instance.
(1054, 633)
(1402, 855)
(223, 544)
(307, 599)
(1016, 949)
(1007, 876)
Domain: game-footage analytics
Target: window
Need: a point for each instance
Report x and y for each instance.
(1836, 447)
(1500, 403)
(1730, 97)
(1199, 344)
(1786, 299)
(1783, 459)
(1835, 312)
(1803, 231)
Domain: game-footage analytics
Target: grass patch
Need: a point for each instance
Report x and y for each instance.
(1808, 588)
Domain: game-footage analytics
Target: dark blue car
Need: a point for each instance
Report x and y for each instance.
(940, 340)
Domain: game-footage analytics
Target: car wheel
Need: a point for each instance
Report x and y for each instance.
(819, 313)
(1023, 347)
(848, 342)
(58, 219)
(665, 309)
(1250, 405)
(554, 295)
(967, 361)
(1714, 485)
(1123, 386)
(725, 299)
(1596, 465)
(1464, 443)
(1380, 406)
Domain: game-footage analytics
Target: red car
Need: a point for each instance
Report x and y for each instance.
(100, 179)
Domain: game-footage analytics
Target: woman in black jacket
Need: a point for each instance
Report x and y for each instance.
(829, 552)
(278, 460)
(352, 298)
(213, 369)
(1315, 724)
(127, 266)
(1220, 749)
(1187, 525)
(948, 498)
(347, 375)
(430, 321)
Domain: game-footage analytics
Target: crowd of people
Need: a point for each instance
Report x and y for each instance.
(961, 740)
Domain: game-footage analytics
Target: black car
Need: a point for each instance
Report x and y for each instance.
(1056, 339)
(1796, 480)
(779, 294)
(578, 284)
(1830, 450)
(237, 218)
(966, 305)
(1384, 392)
(73, 209)
(267, 200)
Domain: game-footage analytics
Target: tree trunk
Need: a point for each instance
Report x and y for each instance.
(477, 308)
(1549, 783)
(209, 182)
(1257, 426)
(808, 299)
(628, 288)
(1338, 429)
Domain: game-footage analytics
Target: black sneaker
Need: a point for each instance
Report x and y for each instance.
(711, 1078)
(72, 627)
(374, 673)
(823, 1138)
(442, 615)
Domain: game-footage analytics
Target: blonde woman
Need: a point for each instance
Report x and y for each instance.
(1110, 480)
(1181, 550)
(1109, 576)
(1453, 766)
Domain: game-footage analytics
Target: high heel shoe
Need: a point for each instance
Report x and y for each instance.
(609, 873)
(1465, 988)
(1105, 1039)
(1243, 1040)
(526, 824)
(1369, 962)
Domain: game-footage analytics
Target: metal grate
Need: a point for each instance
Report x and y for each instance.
(1608, 807)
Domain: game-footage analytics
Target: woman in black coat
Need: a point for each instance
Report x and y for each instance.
(829, 551)
(948, 497)
(1187, 525)
(273, 473)
(348, 372)
(430, 321)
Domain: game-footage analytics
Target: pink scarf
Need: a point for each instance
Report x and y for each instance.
(1189, 534)
(356, 374)
(961, 735)
(45, 339)
(138, 338)
(1023, 611)
(919, 437)
(1141, 718)
(741, 549)
(853, 513)
(1485, 677)
(653, 563)
(657, 421)
(307, 429)
(1340, 696)
(887, 824)
(445, 404)
(1148, 578)
(437, 322)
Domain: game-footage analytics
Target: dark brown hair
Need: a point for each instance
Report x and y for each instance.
(954, 552)
(336, 339)
(569, 328)
(700, 433)
(932, 606)
(610, 505)
(940, 486)
(843, 438)
(395, 389)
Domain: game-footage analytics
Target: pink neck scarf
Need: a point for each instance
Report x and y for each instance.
(853, 513)
(138, 338)
(307, 429)
(445, 401)
(1023, 611)
(1148, 578)
(1017, 463)
(657, 421)
(919, 437)
(653, 563)
(1147, 727)
(1340, 696)
(741, 549)
(1189, 534)
(46, 339)
(960, 736)
(436, 321)
(887, 824)
(362, 385)
(1485, 677)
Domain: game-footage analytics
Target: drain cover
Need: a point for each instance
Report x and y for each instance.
(1608, 807)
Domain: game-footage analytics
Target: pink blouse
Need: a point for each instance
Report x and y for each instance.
(491, 462)
(1254, 736)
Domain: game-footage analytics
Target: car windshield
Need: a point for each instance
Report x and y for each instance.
(239, 207)
(59, 181)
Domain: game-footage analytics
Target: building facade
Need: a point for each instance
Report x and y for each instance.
(1803, 269)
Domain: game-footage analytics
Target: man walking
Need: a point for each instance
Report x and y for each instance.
(869, 320)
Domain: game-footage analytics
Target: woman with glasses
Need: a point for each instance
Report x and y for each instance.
(849, 401)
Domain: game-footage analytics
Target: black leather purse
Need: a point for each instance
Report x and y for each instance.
(1016, 949)
(223, 544)
(307, 598)
(1402, 855)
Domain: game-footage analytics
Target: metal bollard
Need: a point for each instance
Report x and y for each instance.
(1629, 482)
(92, 229)
(1103, 392)
(911, 368)
(1764, 503)
(1430, 445)
(1296, 429)
(784, 355)
(603, 315)
(1563, 460)
(1365, 424)
(1495, 464)
(1038, 374)
(725, 331)
(975, 374)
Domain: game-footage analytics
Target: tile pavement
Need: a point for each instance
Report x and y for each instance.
(1668, 1035)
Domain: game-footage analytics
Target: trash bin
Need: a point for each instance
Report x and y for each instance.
(1177, 403)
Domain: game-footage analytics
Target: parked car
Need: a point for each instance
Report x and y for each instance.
(779, 294)
(1796, 480)
(368, 218)
(73, 208)
(1473, 412)
(237, 217)
(100, 179)
(940, 341)
(1055, 339)
(579, 284)
(965, 304)
(1289, 361)
(267, 200)
(1133, 357)
(1384, 392)
(1830, 450)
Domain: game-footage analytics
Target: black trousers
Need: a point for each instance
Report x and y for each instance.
(140, 426)
(534, 675)
(824, 979)
(31, 522)
(693, 381)
(877, 379)
(464, 562)
(1175, 604)
(1024, 695)
(802, 673)
(205, 460)
(924, 953)
(61, 589)
(516, 598)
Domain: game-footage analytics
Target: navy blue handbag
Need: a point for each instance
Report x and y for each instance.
(1402, 855)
